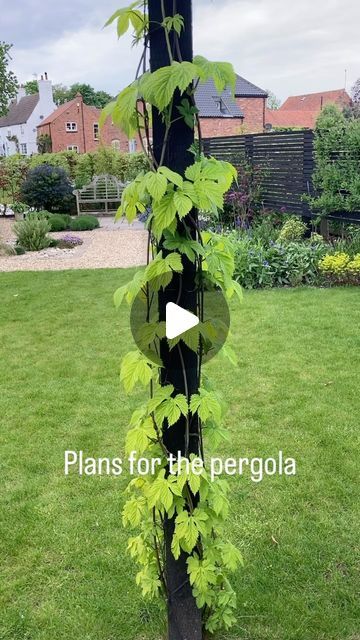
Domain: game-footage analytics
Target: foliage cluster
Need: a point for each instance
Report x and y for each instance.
(63, 94)
(266, 257)
(80, 168)
(337, 156)
(8, 80)
(196, 506)
(47, 187)
(32, 233)
(340, 268)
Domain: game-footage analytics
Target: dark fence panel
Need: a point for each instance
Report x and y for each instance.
(285, 159)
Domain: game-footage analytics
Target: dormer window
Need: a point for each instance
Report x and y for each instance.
(71, 126)
(220, 105)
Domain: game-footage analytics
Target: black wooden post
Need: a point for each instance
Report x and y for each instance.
(181, 364)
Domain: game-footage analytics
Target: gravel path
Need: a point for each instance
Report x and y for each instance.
(116, 245)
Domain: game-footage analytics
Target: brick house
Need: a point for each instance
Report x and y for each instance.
(74, 126)
(223, 115)
(302, 111)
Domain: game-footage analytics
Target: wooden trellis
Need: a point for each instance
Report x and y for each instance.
(101, 195)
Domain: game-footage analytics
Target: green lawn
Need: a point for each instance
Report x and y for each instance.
(65, 573)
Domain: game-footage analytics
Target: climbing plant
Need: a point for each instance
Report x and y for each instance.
(337, 157)
(196, 506)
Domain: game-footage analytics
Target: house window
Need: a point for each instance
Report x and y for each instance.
(22, 129)
(96, 131)
(73, 147)
(71, 126)
(23, 149)
(9, 133)
(115, 145)
(220, 105)
(132, 145)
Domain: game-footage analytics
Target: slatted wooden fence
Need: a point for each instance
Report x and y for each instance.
(285, 159)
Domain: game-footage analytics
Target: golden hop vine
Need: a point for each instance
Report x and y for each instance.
(170, 197)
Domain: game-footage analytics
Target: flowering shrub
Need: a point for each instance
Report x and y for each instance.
(340, 268)
(242, 203)
(67, 242)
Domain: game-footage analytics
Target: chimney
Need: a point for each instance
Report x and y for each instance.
(21, 93)
(46, 93)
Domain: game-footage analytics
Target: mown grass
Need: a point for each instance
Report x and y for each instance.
(65, 573)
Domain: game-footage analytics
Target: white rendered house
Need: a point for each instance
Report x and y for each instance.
(18, 130)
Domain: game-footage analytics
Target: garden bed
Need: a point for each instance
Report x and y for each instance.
(110, 246)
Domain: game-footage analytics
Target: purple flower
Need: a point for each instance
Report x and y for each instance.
(73, 240)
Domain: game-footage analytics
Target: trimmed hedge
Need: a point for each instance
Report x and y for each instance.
(84, 223)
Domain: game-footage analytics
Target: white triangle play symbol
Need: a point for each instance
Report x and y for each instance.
(178, 320)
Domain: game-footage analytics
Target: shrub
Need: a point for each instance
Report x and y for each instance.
(48, 187)
(336, 176)
(59, 221)
(19, 250)
(84, 223)
(259, 265)
(6, 249)
(340, 268)
(293, 230)
(32, 233)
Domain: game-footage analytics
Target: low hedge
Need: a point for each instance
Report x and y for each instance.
(84, 223)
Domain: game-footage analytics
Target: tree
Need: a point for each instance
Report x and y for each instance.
(272, 101)
(91, 97)
(60, 93)
(355, 92)
(353, 110)
(8, 80)
(31, 87)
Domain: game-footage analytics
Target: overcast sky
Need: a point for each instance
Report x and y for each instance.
(288, 46)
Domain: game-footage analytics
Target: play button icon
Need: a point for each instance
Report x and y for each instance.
(205, 328)
(178, 320)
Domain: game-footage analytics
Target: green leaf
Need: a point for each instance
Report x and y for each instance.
(106, 112)
(202, 573)
(206, 405)
(171, 410)
(188, 112)
(133, 512)
(188, 528)
(182, 203)
(175, 22)
(231, 556)
(159, 494)
(186, 246)
(172, 176)
(164, 213)
(156, 185)
(139, 438)
(160, 394)
(222, 73)
(124, 111)
(159, 87)
(160, 270)
(135, 368)
(119, 295)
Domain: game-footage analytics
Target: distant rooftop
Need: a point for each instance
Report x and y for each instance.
(213, 105)
(20, 112)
